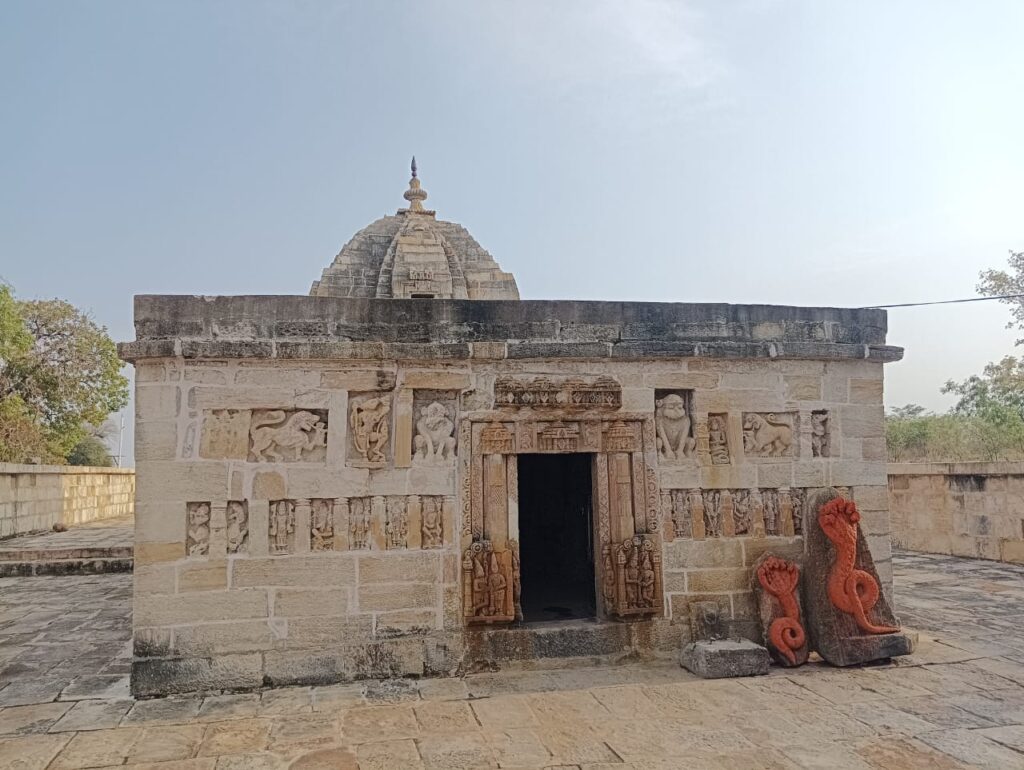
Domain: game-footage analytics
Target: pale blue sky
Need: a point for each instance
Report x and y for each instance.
(764, 151)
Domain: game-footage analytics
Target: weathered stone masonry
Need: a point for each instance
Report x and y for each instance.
(327, 487)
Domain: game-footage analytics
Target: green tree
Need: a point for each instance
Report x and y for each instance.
(91, 451)
(65, 379)
(1009, 284)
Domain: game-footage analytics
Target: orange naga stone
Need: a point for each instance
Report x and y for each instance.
(779, 578)
(850, 590)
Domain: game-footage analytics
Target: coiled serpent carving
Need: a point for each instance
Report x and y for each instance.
(779, 578)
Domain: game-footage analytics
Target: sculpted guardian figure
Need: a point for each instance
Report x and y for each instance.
(673, 425)
(369, 422)
(434, 441)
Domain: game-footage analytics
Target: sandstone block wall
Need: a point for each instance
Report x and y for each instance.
(312, 472)
(962, 509)
(35, 497)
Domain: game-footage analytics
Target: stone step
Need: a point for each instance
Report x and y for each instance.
(532, 643)
(55, 554)
(73, 566)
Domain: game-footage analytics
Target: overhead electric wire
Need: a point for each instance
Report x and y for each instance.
(942, 302)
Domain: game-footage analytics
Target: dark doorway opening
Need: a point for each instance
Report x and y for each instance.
(555, 537)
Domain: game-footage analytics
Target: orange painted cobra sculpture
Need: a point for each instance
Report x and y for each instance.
(851, 590)
(779, 578)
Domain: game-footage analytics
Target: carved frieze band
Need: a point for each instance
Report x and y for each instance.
(698, 514)
(335, 524)
(543, 393)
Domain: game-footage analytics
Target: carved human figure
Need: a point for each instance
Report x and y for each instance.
(608, 579)
(282, 524)
(741, 511)
(718, 442)
(496, 585)
(321, 526)
(237, 526)
(767, 435)
(632, 578)
(713, 513)
(397, 525)
(770, 498)
(370, 432)
(359, 523)
(797, 496)
(433, 532)
(674, 439)
(819, 434)
(682, 514)
(434, 442)
(277, 436)
(647, 580)
(198, 536)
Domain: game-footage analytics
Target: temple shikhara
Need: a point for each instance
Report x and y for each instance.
(413, 472)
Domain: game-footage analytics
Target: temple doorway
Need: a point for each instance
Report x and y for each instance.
(556, 537)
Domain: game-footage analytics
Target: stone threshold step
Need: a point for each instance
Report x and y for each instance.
(60, 567)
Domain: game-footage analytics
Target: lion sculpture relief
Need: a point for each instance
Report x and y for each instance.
(767, 435)
(277, 437)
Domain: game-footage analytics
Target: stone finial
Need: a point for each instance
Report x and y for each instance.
(415, 195)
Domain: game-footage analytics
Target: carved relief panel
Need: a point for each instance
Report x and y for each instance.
(821, 437)
(698, 514)
(197, 533)
(369, 429)
(544, 393)
(434, 439)
(359, 531)
(237, 518)
(282, 527)
(631, 582)
(490, 583)
(769, 434)
(264, 435)
(718, 439)
(321, 524)
(673, 419)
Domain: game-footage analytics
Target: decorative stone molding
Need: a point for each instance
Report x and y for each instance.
(543, 393)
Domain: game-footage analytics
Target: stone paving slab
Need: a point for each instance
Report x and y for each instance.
(90, 549)
(957, 703)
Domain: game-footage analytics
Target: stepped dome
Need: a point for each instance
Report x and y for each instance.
(413, 254)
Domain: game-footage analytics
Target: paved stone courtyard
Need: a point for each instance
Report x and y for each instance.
(958, 702)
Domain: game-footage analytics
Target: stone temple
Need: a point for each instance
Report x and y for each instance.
(412, 472)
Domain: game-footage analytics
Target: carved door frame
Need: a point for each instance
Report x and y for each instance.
(625, 500)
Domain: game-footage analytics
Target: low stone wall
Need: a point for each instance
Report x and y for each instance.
(35, 497)
(963, 509)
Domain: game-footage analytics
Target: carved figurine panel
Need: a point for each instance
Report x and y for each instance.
(369, 429)
(225, 434)
(237, 521)
(434, 438)
(396, 527)
(700, 513)
(821, 436)
(718, 439)
(321, 524)
(545, 393)
(264, 435)
(769, 434)
(559, 437)
(360, 514)
(197, 537)
(288, 435)
(282, 527)
(490, 583)
(631, 577)
(432, 522)
(673, 421)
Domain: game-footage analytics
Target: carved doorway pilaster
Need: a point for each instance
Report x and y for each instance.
(627, 544)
